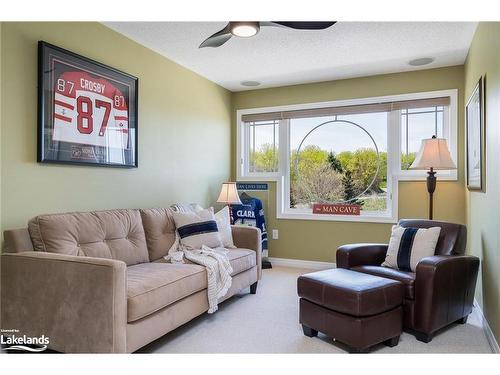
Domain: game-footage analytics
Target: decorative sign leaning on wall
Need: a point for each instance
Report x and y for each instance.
(87, 111)
(337, 209)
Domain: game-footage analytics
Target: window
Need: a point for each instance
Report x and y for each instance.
(339, 159)
(418, 124)
(263, 143)
(343, 152)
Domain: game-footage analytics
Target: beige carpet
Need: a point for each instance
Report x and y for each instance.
(268, 323)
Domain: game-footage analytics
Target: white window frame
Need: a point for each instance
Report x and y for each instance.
(450, 132)
(394, 172)
(245, 163)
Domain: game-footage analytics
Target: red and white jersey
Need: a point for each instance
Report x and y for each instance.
(89, 111)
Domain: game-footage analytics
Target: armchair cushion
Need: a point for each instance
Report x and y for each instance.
(407, 278)
(452, 238)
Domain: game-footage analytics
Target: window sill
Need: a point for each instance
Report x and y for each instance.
(259, 177)
(347, 218)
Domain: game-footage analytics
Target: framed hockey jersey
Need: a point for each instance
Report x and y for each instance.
(87, 111)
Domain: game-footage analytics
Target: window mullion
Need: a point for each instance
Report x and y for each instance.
(435, 122)
(407, 120)
(284, 162)
(393, 154)
(246, 148)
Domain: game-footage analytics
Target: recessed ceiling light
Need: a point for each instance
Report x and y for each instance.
(244, 29)
(421, 61)
(250, 83)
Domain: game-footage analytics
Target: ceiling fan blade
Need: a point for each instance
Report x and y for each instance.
(218, 39)
(311, 25)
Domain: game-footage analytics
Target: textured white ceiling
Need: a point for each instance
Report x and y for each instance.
(279, 56)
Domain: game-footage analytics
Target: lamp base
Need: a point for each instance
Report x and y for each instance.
(231, 219)
(431, 187)
(266, 264)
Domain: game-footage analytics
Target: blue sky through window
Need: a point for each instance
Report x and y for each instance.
(339, 136)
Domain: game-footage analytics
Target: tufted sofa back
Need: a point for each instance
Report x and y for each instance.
(113, 234)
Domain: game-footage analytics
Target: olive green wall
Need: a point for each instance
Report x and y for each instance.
(318, 240)
(483, 209)
(1, 26)
(184, 129)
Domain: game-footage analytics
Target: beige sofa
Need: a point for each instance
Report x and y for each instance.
(97, 281)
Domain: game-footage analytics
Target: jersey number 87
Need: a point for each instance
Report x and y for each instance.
(85, 121)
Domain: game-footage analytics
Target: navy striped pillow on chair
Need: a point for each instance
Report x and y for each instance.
(408, 246)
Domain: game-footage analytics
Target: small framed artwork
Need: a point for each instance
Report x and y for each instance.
(475, 129)
(87, 111)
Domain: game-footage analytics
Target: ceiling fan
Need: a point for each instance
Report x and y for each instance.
(248, 29)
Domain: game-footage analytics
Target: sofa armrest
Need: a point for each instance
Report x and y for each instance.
(247, 237)
(17, 240)
(444, 290)
(78, 302)
(360, 254)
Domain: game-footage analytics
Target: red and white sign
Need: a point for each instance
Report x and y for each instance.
(89, 111)
(336, 209)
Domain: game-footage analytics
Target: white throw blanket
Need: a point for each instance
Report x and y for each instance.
(215, 261)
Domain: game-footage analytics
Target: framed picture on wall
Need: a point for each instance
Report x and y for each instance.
(475, 129)
(87, 111)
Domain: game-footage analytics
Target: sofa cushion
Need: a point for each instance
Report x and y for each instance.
(159, 227)
(113, 234)
(407, 278)
(241, 260)
(153, 286)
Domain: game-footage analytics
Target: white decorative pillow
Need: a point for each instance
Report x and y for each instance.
(196, 229)
(408, 246)
(224, 225)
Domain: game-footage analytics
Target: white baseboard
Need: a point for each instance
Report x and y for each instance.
(487, 329)
(299, 263)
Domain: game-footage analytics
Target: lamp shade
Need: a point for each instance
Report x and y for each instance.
(434, 153)
(229, 194)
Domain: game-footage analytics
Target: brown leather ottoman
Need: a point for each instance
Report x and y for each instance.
(357, 309)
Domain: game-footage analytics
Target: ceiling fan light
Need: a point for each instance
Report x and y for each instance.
(244, 29)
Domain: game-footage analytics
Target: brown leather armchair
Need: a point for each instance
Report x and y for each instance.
(440, 292)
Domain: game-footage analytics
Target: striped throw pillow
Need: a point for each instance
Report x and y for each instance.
(408, 246)
(197, 229)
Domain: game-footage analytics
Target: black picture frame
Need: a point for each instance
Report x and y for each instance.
(87, 111)
(475, 129)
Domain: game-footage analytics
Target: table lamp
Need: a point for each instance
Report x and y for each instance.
(434, 155)
(229, 195)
